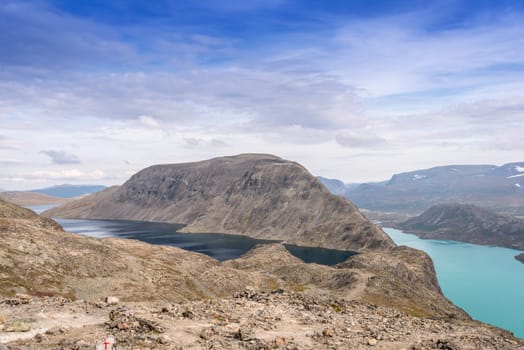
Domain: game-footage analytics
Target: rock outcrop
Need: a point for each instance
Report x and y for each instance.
(403, 278)
(257, 195)
(520, 258)
(467, 223)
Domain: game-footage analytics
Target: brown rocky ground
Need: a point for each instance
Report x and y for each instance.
(248, 320)
(52, 283)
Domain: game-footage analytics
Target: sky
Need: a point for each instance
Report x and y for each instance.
(93, 91)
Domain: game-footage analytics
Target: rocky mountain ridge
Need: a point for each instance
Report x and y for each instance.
(467, 223)
(498, 188)
(257, 195)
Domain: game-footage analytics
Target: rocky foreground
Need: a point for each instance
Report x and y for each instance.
(248, 320)
(52, 284)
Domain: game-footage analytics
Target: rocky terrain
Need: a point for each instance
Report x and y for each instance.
(498, 188)
(248, 320)
(70, 292)
(257, 195)
(520, 258)
(467, 223)
(38, 258)
(31, 198)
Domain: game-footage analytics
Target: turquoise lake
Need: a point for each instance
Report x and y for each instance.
(487, 282)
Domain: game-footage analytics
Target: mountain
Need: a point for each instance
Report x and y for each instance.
(333, 185)
(52, 284)
(467, 223)
(257, 195)
(69, 191)
(31, 198)
(498, 188)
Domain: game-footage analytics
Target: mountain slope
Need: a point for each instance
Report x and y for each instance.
(333, 185)
(31, 198)
(38, 257)
(256, 195)
(335, 306)
(499, 188)
(467, 223)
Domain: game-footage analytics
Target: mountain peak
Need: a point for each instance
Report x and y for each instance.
(258, 195)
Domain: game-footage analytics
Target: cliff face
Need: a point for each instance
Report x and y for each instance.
(467, 223)
(257, 195)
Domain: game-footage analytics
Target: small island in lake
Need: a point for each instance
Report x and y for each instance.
(520, 257)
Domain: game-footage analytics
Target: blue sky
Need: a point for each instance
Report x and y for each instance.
(93, 91)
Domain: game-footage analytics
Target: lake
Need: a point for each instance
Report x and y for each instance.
(219, 246)
(487, 282)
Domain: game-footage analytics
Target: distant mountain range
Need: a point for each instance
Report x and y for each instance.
(499, 188)
(467, 223)
(69, 191)
(31, 198)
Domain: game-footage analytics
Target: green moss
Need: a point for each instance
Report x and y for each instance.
(336, 308)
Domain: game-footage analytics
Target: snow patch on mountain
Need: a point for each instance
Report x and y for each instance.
(419, 177)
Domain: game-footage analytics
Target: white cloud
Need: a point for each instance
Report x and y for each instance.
(148, 121)
(362, 139)
(358, 102)
(67, 174)
(61, 157)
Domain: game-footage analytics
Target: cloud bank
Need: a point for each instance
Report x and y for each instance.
(353, 92)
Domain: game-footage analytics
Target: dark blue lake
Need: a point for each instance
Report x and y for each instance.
(219, 246)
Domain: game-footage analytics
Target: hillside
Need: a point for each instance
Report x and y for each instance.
(498, 188)
(467, 223)
(31, 198)
(257, 195)
(266, 299)
(38, 257)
